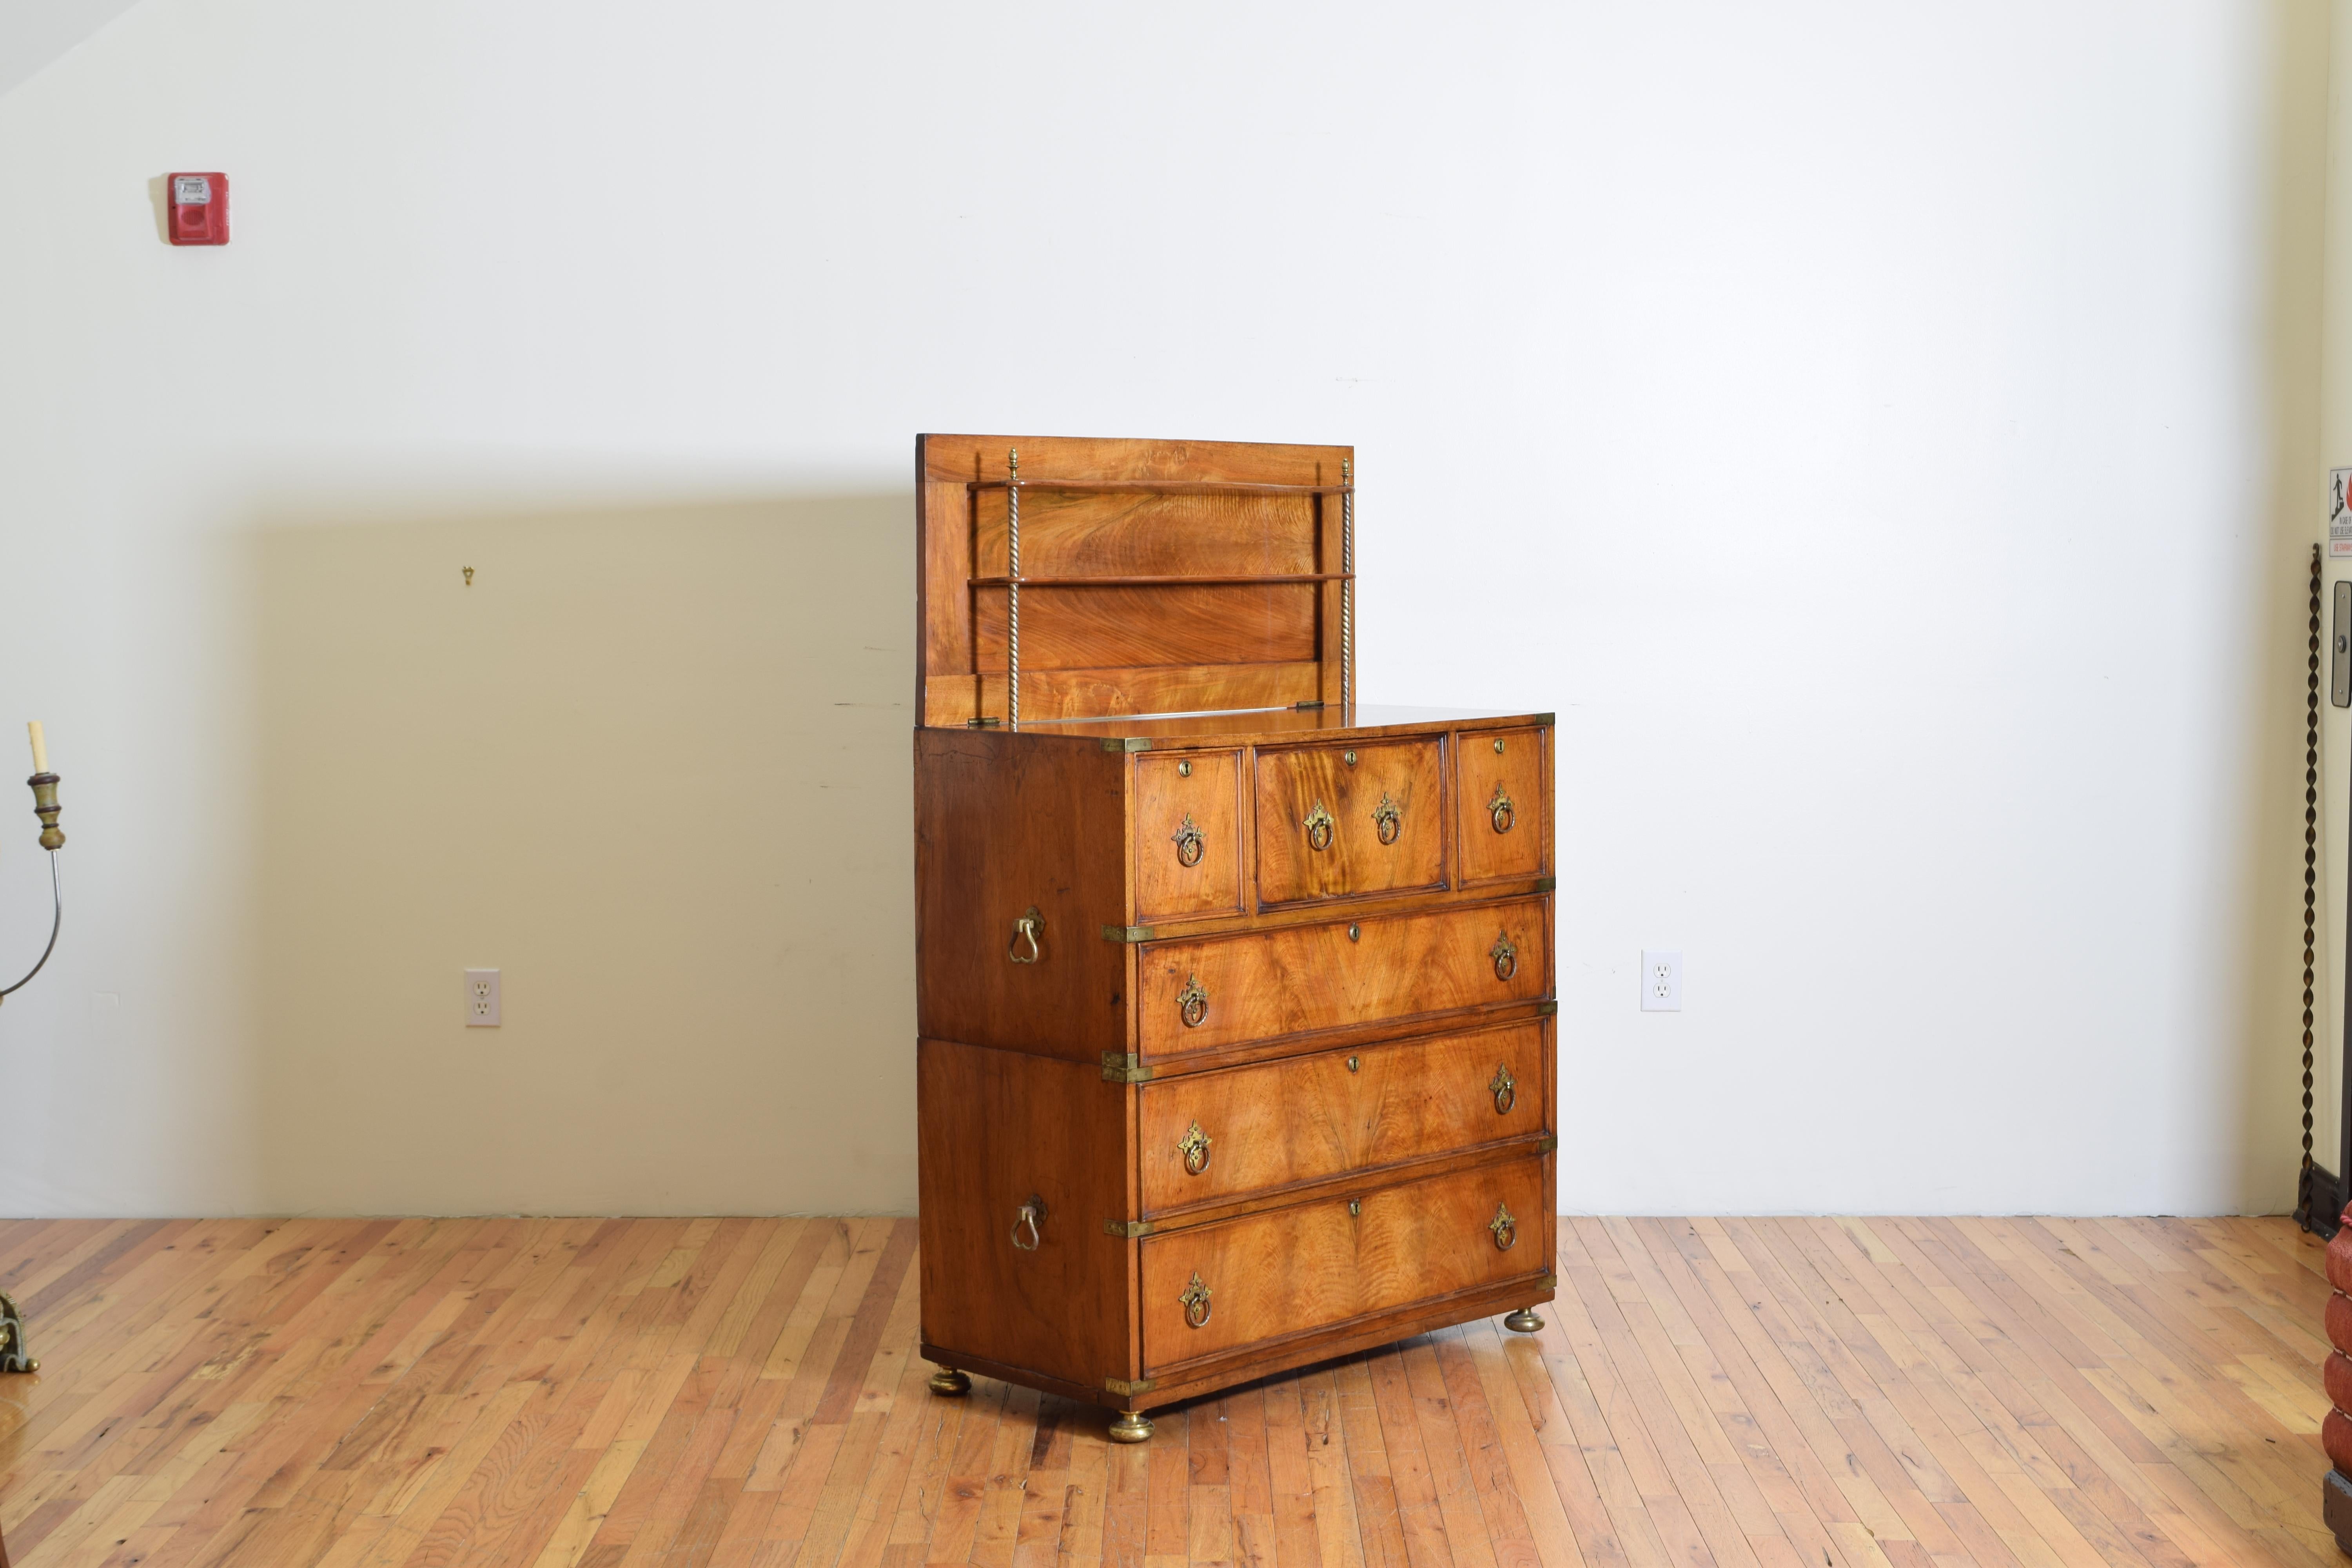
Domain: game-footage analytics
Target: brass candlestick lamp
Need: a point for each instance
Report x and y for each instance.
(45, 806)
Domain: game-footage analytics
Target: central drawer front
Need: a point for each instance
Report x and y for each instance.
(1215, 991)
(1214, 1135)
(1224, 1287)
(1337, 821)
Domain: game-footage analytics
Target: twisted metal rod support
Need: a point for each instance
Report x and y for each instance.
(57, 903)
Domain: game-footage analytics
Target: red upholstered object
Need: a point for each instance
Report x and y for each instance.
(2339, 1260)
(2339, 1322)
(2336, 1436)
(2335, 1372)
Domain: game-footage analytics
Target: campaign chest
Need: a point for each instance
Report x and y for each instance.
(1235, 994)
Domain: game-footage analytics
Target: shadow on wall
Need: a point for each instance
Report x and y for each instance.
(652, 764)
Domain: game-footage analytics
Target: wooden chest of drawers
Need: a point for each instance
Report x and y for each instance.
(1235, 994)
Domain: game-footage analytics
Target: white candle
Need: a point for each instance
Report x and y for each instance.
(40, 747)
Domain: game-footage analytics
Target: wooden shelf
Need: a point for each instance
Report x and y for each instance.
(1212, 580)
(1164, 487)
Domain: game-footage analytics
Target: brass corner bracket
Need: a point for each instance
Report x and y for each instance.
(1126, 1390)
(1126, 744)
(1127, 933)
(1128, 1229)
(1124, 1066)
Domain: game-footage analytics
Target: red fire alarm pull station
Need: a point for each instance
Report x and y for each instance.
(199, 209)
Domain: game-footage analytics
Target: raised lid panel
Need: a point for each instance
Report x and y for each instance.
(1171, 646)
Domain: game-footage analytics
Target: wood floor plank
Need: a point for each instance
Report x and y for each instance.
(736, 1393)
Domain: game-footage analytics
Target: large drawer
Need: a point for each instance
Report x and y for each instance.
(1339, 821)
(1503, 800)
(1215, 991)
(1207, 1136)
(1220, 1288)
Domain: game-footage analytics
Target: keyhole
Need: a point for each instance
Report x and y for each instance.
(470, 577)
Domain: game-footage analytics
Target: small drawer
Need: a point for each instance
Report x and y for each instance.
(1338, 821)
(1225, 1287)
(1215, 1135)
(1187, 839)
(1215, 992)
(1503, 796)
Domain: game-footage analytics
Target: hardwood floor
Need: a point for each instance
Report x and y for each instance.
(611, 1394)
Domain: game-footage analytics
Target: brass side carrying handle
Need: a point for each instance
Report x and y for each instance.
(1319, 825)
(1504, 1228)
(1025, 929)
(1192, 1003)
(1195, 1301)
(1031, 1213)
(1499, 809)
(1189, 843)
(1388, 818)
(1505, 1088)
(1506, 957)
(1194, 1147)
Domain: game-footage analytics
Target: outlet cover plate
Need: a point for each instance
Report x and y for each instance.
(1662, 980)
(481, 998)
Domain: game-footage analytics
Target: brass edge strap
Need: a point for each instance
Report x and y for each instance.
(1547, 719)
(1546, 1009)
(1127, 933)
(1124, 1066)
(1547, 1145)
(1128, 1229)
(1126, 744)
(1546, 1282)
(1122, 1387)
(1547, 884)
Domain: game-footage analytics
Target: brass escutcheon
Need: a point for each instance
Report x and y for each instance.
(1183, 769)
(1025, 929)
(1031, 1213)
(1388, 818)
(1506, 1228)
(1506, 957)
(1355, 1206)
(1500, 808)
(1194, 1147)
(1355, 934)
(1498, 748)
(1192, 1003)
(1351, 757)
(1189, 843)
(1353, 1063)
(1195, 1301)
(1505, 1088)
(1319, 825)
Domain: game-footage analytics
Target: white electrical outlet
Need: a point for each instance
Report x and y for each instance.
(1662, 981)
(481, 998)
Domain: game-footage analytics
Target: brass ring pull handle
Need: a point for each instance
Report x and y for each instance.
(1505, 1088)
(1319, 825)
(1194, 1147)
(1506, 957)
(1031, 1213)
(1192, 1003)
(1499, 809)
(1506, 1228)
(1025, 929)
(1388, 818)
(1195, 1301)
(1189, 843)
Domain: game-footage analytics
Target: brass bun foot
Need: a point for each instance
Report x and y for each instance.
(947, 1380)
(1131, 1426)
(1523, 1321)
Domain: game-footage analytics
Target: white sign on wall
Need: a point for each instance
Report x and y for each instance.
(2339, 515)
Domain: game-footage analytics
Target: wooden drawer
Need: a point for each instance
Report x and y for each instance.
(1342, 821)
(1215, 991)
(1502, 796)
(1226, 1134)
(1332, 1260)
(1188, 839)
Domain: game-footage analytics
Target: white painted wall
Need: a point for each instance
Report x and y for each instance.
(1859, 423)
